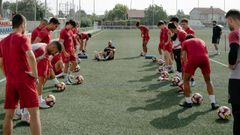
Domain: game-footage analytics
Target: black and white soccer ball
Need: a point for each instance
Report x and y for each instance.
(224, 113)
(197, 98)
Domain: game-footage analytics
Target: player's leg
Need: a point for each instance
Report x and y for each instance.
(58, 68)
(168, 61)
(177, 57)
(81, 46)
(8, 123)
(187, 91)
(40, 85)
(144, 47)
(35, 124)
(236, 117)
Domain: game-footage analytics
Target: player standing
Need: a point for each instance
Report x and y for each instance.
(195, 55)
(18, 64)
(216, 36)
(68, 54)
(233, 20)
(37, 30)
(145, 37)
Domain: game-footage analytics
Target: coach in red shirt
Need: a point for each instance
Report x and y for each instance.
(18, 64)
(145, 37)
(37, 30)
(195, 55)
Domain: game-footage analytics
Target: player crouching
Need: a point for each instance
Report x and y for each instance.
(42, 52)
(107, 54)
(194, 55)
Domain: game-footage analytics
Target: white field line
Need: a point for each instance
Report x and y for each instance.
(219, 63)
(4, 79)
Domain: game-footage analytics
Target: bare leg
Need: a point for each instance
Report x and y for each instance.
(8, 124)
(35, 123)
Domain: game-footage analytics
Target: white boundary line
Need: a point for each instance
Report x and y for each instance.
(4, 79)
(219, 63)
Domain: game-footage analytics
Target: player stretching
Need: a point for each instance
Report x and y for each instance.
(37, 30)
(166, 45)
(145, 37)
(18, 64)
(233, 20)
(68, 54)
(195, 55)
(83, 39)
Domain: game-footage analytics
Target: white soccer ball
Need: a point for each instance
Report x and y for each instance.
(161, 62)
(180, 87)
(79, 79)
(164, 76)
(175, 80)
(197, 98)
(161, 69)
(60, 86)
(224, 113)
(154, 59)
(50, 100)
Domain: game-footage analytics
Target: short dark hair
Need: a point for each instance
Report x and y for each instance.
(174, 19)
(214, 21)
(184, 20)
(189, 36)
(58, 45)
(161, 22)
(234, 13)
(71, 22)
(18, 20)
(89, 35)
(54, 21)
(137, 24)
(171, 25)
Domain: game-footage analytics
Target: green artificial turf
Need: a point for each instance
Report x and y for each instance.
(123, 96)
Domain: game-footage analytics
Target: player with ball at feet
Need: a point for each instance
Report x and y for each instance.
(195, 55)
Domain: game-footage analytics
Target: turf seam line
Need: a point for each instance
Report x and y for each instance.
(219, 63)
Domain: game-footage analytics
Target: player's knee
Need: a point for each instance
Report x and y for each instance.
(9, 114)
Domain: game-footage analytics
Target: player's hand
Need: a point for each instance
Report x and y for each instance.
(232, 67)
(32, 74)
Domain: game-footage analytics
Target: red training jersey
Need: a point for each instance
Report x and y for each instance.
(39, 51)
(13, 50)
(35, 33)
(234, 37)
(46, 35)
(181, 36)
(189, 30)
(194, 47)
(66, 35)
(144, 31)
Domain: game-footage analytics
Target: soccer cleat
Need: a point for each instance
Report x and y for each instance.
(180, 91)
(60, 75)
(215, 106)
(25, 118)
(43, 105)
(192, 83)
(185, 104)
(17, 116)
(67, 82)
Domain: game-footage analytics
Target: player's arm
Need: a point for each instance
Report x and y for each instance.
(184, 56)
(232, 56)
(37, 40)
(169, 38)
(32, 63)
(1, 65)
(63, 48)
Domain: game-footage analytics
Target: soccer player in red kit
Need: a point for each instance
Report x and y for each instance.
(195, 55)
(233, 21)
(68, 54)
(145, 37)
(42, 52)
(18, 64)
(83, 39)
(186, 27)
(75, 31)
(37, 30)
(166, 44)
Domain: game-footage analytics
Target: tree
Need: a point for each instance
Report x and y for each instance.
(181, 14)
(153, 14)
(119, 12)
(1, 9)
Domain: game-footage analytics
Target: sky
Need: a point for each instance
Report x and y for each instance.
(169, 5)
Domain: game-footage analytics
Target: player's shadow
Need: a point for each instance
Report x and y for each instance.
(21, 124)
(162, 101)
(173, 121)
(129, 58)
(1, 124)
(150, 64)
(221, 121)
(146, 78)
(154, 87)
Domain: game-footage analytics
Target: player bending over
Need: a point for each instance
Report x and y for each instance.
(83, 39)
(37, 30)
(195, 55)
(107, 54)
(18, 63)
(145, 37)
(166, 45)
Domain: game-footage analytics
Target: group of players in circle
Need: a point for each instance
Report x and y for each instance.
(178, 42)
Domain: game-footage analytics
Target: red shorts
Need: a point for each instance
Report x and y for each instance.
(146, 39)
(160, 45)
(44, 67)
(72, 57)
(168, 47)
(54, 61)
(26, 93)
(201, 62)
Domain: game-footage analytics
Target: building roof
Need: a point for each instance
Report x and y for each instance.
(135, 13)
(209, 11)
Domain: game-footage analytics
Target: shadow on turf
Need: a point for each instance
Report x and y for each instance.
(221, 121)
(173, 121)
(153, 87)
(128, 58)
(163, 100)
(145, 78)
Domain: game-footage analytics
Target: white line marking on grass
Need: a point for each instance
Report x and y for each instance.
(219, 63)
(2, 80)
(98, 34)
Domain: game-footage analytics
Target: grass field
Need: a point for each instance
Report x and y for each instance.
(123, 97)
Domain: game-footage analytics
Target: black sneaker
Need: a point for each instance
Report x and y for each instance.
(185, 104)
(215, 106)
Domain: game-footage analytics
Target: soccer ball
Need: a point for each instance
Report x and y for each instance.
(50, 100)
(60, 86)
(175, 80)
(79, 79)
(224, 113)
(197, 98)
(161, 62)
(154, 59)
(164, 76)
(161, 69)
(180, 87)
(77, 69)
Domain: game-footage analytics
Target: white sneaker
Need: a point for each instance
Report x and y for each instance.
(192, 83)
(43, 105)
(17, 116)
(60, 75)
(25, 117)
